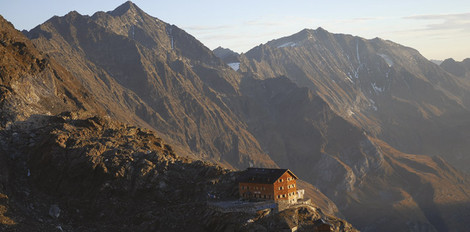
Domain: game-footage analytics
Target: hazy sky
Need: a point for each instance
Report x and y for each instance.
(438, 29)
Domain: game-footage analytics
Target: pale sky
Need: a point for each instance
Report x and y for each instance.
(438, 29)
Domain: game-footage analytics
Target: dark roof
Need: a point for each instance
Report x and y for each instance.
(322, 222)
(263, 175)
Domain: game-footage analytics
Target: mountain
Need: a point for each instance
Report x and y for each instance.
(228, 56)
(147, 72)
(32, 83)
(291, 104)
(389, 90)
(460, 69)
(358, 172)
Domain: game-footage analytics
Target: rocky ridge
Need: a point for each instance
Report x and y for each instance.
(228, 56)
(459, 69)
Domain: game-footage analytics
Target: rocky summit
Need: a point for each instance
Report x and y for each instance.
(119, 121)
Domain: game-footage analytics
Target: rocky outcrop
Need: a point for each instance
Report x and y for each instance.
(33, 83)
(228, 56)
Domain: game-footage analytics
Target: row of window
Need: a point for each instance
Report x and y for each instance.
(288, 179)
(288, 187)
(261, 196)
(284, 195)
(253, 188)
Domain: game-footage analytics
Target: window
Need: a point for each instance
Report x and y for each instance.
(278, 196)
(264, 188)
(281, 188)
(248, 187)
(280, 180)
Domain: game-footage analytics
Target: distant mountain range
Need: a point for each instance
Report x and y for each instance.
(373, 125)
(459, 69)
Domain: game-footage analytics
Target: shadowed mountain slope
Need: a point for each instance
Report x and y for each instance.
(358, 172)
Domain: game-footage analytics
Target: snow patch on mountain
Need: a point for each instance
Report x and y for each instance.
(357, 53)
(349, 78)
(387, 59)
(234, 66)
(376, 88)
(288, 44)
(372, 104)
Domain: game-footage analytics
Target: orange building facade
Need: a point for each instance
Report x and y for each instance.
(269, 184)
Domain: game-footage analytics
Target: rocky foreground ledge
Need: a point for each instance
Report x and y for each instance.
(67, 173)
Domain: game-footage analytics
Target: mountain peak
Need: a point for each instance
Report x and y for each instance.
(127, 7)
(72, 15)
(321, 29)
